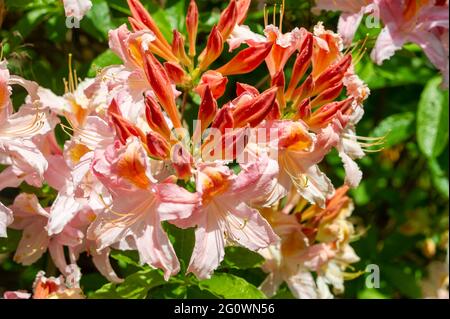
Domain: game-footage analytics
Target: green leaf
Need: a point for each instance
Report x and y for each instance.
(230, 287)
(170, 291)
(438, 177)
(397, 128)
(105, 59)
(126, 257)
(10, 243)
(183, 243)
(30, 21)
(135, 286)
(432, 119)
(371, 293)
(239, 257)
(401, 278)
(97, 21)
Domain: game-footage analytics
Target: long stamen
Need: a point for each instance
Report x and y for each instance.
(266, 16)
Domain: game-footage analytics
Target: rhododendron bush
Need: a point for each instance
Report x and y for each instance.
(245, 149)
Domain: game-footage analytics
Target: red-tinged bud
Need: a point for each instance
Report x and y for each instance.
(156, 46)
(155, 117)
(176, 73)
(242, 88)
(178, 48)
(256, 111)
(325, 114)
(207, 110)
(228, 20)
(304, 110)
(182, 161)
(275, 113)
(301, 64)
(278, 80)
(192, 26)
(242, 10)
(246, 60)
(333, 74)
(215, 81)
(140, 14)
(223, 119)
(124, 128)
(213, 50)
(305, 90)
(327, 95)
(157, 146)
(161, 85)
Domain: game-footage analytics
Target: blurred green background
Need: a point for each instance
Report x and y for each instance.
(401, 204)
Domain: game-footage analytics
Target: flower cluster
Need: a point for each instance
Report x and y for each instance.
(424, 22)
(248, 175)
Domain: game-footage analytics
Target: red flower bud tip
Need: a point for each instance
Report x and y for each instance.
(255, 111)
(213, 50)
(192, 26)
(228, 20)
(176, 73)
(304, 110)
(332, 75)
(242, 88)
(178, 48)
(207, 110)
(156, 46)
(216, 82)
(327, 95)
(123, 127)
(155, 117)
(242, 10)
(301, 64)
(157, 146)
(325, 114)
(140, 14)
(223, 119)
(305, 90)
(246, 60)
(161, 85)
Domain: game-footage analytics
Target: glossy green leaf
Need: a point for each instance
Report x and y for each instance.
(229, 286)
(105, 59)
(432, 119)
(396, 128)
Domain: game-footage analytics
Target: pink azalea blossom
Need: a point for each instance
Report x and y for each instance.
(225, 217)
(77, 8)
(139, 206)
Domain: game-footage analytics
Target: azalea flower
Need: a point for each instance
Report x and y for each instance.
(405, 21)
(77, 8)
(138, 206)
(312, 240)
(48, 288)
(224, 216)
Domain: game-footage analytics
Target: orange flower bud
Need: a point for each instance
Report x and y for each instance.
(327, 95)
(213, 50)
(155, 117)
(124, 128)
(192, 26)
(255, 111)
(242, 10)
(242, 88)
(246, 60)
(157, 146)
(323, 116)
(216, 82)
(160, 83)
(228, 20)
(176, 73)
(207, 110)
(139, 13)
(333, 74)
(301, 64)
(178, 48)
